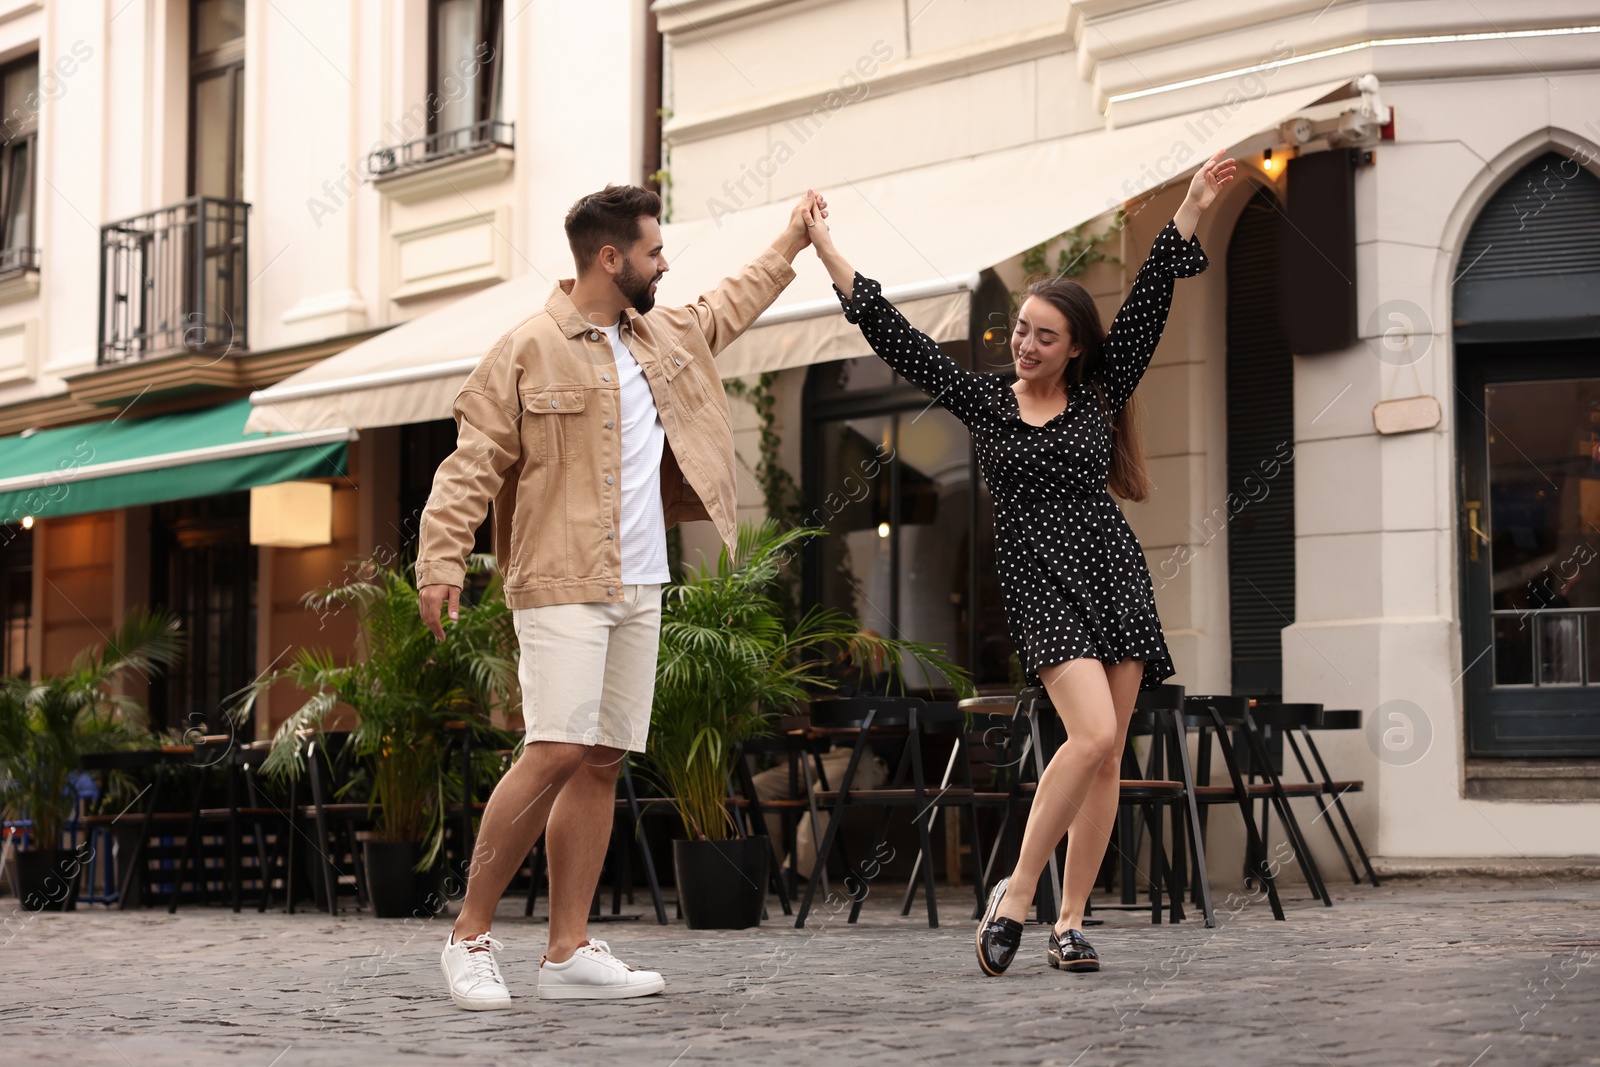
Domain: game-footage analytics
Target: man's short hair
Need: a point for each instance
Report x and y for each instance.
(609, 217)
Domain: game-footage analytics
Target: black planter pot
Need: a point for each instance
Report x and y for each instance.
(395, 889)
(47, 878)
(722, 885)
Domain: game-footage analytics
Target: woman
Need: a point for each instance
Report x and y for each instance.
(1077, 591)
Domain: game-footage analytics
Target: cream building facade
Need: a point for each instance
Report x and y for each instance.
(1393, 523)
(1383, 613)
(205, 196)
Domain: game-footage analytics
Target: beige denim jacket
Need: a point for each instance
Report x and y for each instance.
(539, 432)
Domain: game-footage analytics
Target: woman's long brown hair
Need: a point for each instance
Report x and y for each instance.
(1129, 476)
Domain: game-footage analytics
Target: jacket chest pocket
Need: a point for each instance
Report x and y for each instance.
(553, 425)
(685, 374)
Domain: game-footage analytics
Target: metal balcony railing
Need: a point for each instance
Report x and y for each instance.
(480, 136)
(175, 280)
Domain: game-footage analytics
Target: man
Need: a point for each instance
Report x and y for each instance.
(593, 425)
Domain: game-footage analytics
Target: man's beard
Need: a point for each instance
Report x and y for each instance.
(636, 288)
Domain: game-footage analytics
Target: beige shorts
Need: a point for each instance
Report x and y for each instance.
(588, 671)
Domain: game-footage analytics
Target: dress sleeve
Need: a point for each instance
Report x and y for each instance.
(1137, 328)
(968, 395)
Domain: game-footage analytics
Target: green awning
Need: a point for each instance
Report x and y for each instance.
(127, 462)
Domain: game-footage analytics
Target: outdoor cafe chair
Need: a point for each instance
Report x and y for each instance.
(1228, 719)
(332, 825)
(240, 764)
(1158, 714)
(139, 817)
(1334, 719)
(869, 719)
(167, 854)
(800, 752)
(944, 719)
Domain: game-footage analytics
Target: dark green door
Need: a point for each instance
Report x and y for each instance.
(1529, 543)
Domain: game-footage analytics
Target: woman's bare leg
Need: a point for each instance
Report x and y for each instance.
(1081, 693)
(1090, 832)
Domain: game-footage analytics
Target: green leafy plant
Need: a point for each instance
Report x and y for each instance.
(780, 492)
(47, 726)
(407, 689)
(1078, 251)
(729, 664)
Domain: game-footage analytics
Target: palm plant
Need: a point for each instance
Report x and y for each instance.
(729, 664)
(47, 726)
(405, 689)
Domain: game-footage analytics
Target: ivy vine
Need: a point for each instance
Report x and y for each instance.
(1078, 252)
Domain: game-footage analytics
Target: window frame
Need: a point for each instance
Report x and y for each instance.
(23, 255)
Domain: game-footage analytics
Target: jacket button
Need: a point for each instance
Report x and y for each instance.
(609, 479)
(609, 424)
(605, 377)
(594, 335)
(611, 535)
(555, 403)
(611, 590)
(676, 362)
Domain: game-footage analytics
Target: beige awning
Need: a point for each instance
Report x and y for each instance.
(925, 234)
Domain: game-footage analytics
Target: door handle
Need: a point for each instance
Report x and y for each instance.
(1473, 507)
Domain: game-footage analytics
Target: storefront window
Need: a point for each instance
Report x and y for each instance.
(909, 545)
(203, 570)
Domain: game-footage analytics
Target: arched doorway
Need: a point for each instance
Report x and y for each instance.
(1259, 515)
(1527, 346)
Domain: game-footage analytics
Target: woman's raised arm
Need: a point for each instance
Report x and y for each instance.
(1135, 332)
(970, 397)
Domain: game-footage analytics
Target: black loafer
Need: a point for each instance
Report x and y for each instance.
(998, 937)
(1072, 952)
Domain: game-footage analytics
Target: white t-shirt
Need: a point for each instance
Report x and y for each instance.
(644, 526)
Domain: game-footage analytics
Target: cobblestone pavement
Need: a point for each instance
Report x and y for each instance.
(1471, 973)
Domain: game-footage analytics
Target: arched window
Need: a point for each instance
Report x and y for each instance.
(1527, 348)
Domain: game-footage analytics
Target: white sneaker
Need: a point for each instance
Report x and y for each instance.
(474, 977)
(593, 973)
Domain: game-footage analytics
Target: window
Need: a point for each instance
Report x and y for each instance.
(463, 114)
(464, 70)
(216, 99)
(909, 550)
(19, 96)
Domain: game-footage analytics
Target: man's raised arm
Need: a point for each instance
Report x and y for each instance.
(738, 300)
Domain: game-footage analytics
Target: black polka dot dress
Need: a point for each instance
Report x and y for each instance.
(1072, 574)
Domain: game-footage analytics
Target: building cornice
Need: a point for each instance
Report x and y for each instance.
(988, 54)
(677, 16)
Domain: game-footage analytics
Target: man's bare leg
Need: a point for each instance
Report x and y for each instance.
(512, 821)
(576, 841)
